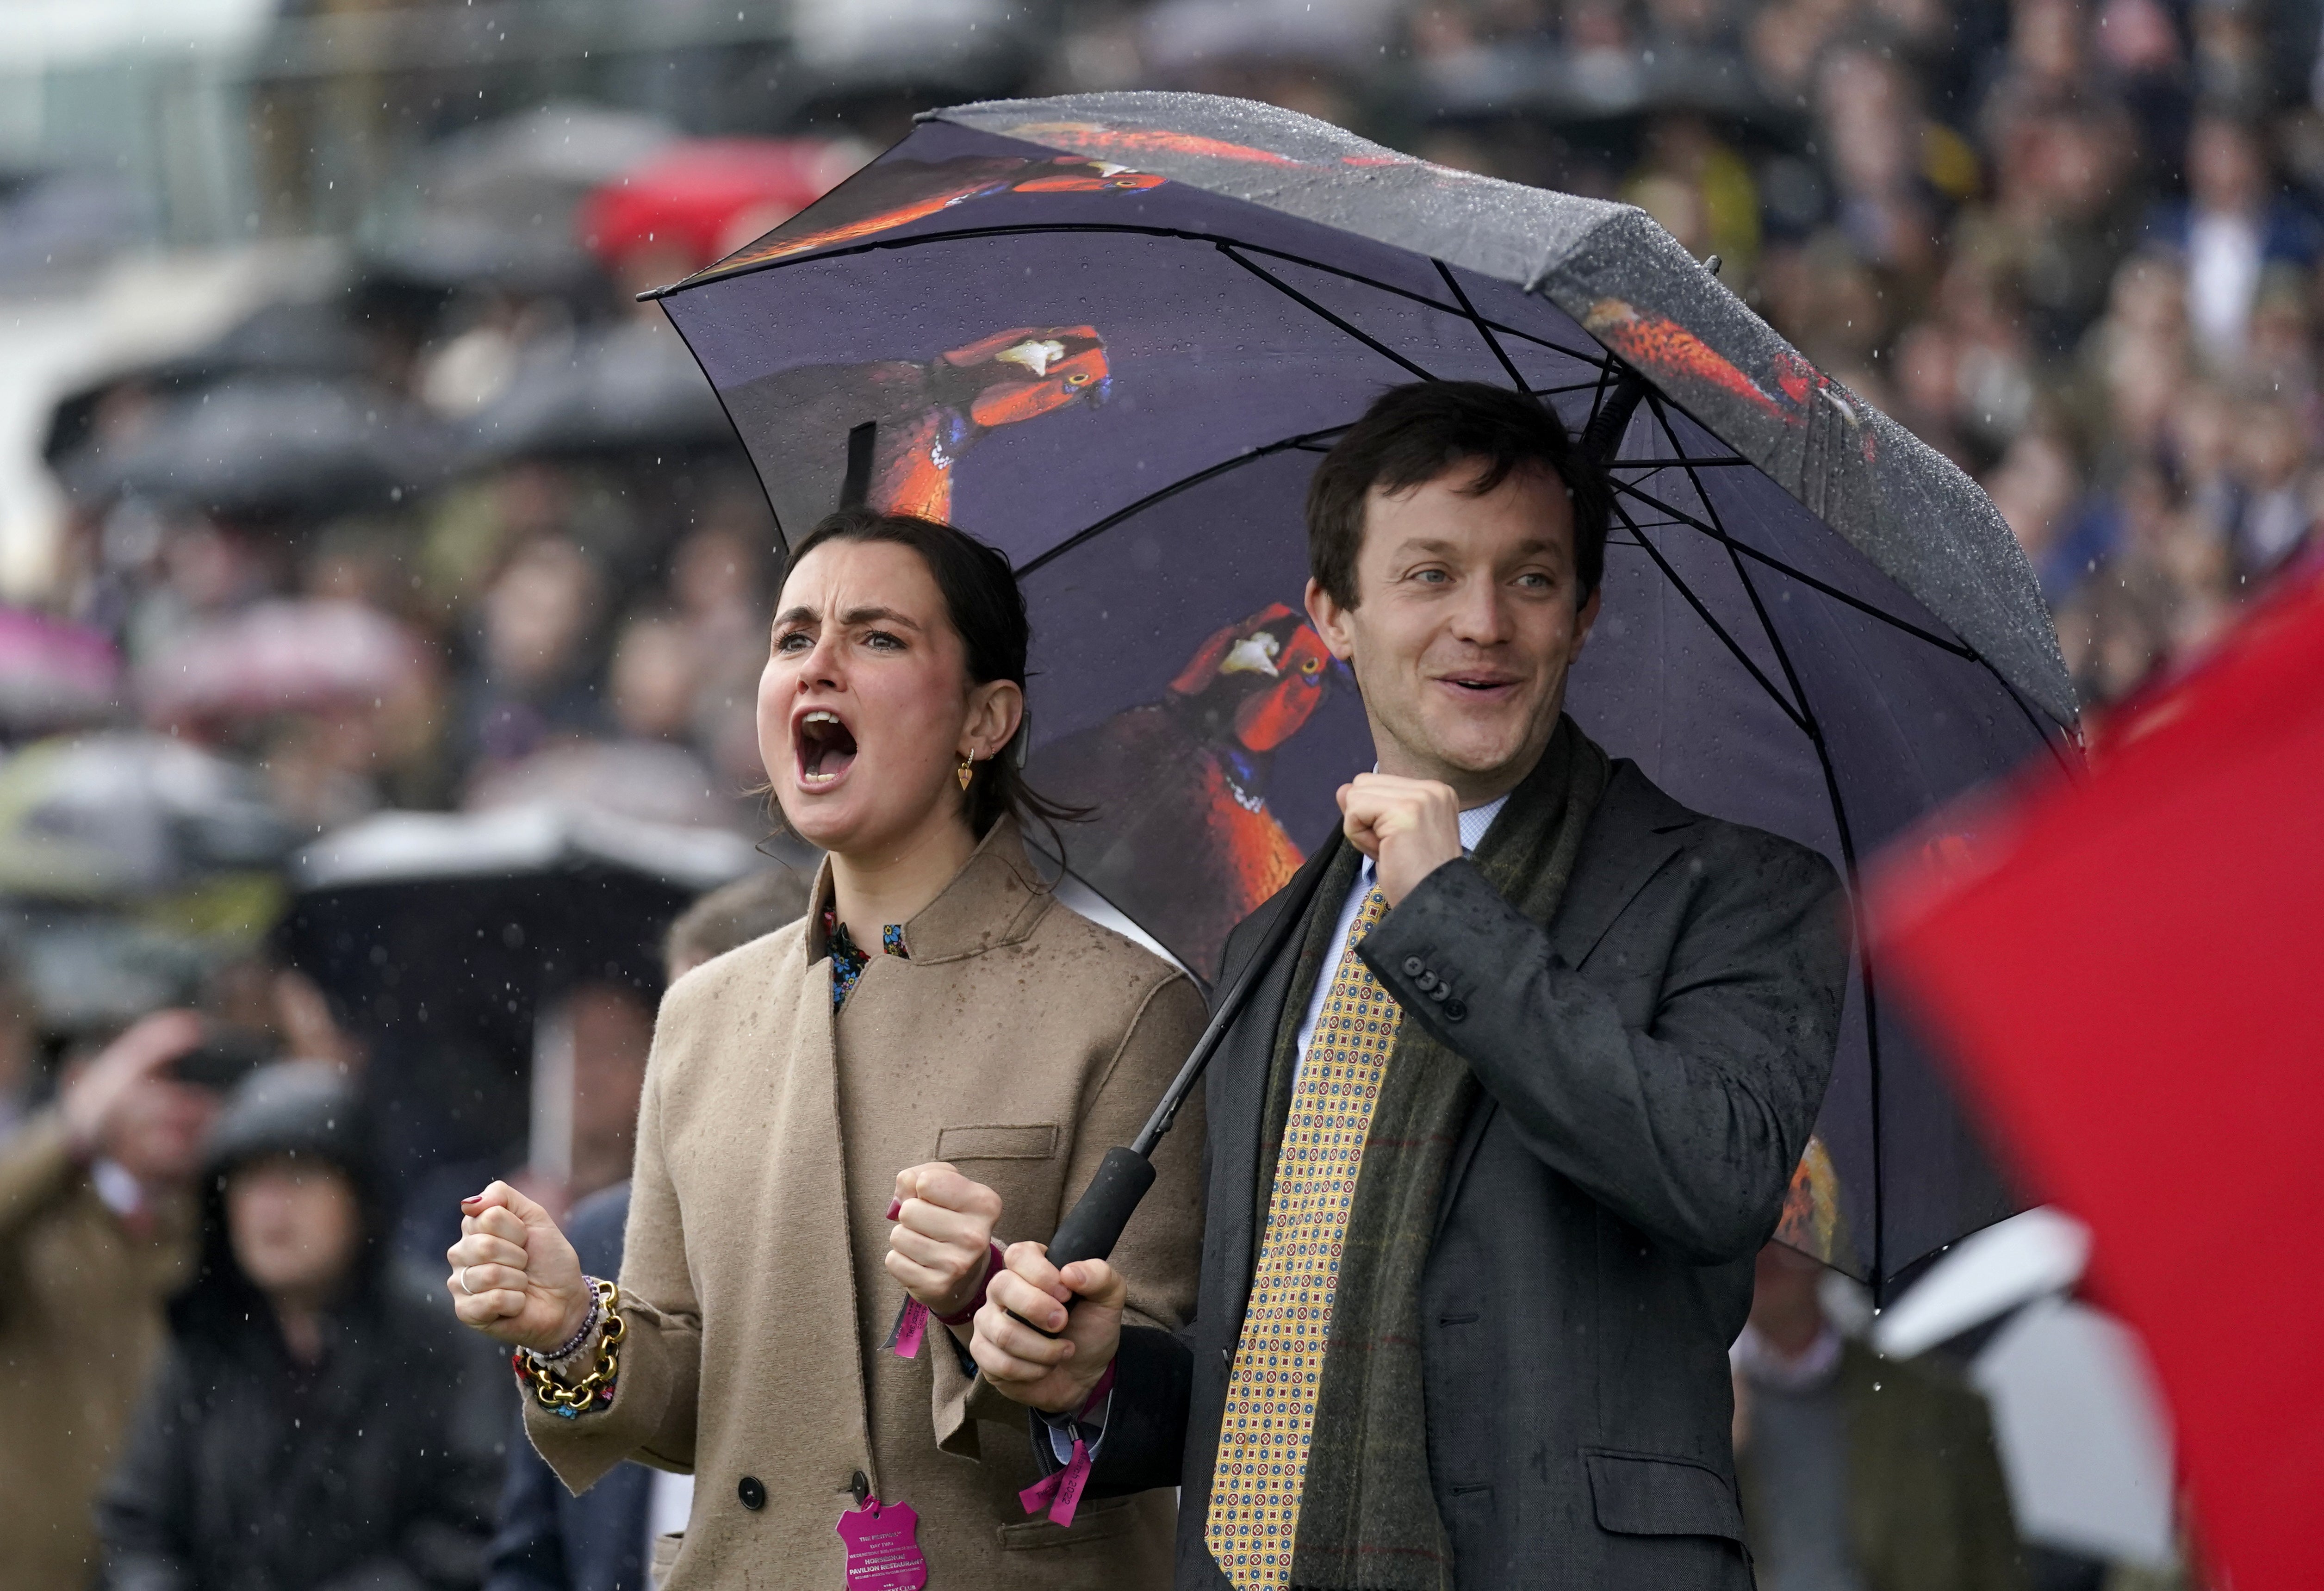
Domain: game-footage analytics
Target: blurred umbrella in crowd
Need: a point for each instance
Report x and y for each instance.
(122, 818)
(284, 339)
(257, 448)
(627, 386)
(460, 924)
(54, 674)
(2125, 969)
(1813, 623)
(496, 203)
(282, 657)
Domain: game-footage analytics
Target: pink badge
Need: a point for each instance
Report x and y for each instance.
(883, 1547)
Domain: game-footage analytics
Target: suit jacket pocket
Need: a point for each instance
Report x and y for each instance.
(1644, 1494)
(1037, 1143)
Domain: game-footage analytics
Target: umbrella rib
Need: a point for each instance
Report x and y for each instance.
(1703, 613)
(1302, 441)
(1517, 378)
(1719, 534)
(1839, 821)
(1304, 301)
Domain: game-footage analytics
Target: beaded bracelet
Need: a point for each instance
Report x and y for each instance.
(569, 1400)
(572, 1344)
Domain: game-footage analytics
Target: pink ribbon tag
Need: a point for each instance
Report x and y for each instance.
(911, 1325)
(1061, 1494)
(883, 1547)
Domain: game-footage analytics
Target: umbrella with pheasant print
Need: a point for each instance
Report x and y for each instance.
(1111, 335)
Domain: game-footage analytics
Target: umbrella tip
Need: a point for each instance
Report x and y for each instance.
(1712, 262)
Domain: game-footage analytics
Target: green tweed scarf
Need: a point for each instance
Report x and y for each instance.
(1367, 1517)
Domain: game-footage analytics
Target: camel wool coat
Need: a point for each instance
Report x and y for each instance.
(1014, 1038)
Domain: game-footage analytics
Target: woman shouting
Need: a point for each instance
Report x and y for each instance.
(841, 1118)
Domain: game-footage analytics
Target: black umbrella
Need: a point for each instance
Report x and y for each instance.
(283, 340)
(1812, 623)
(461, 923)
(443, 939)
(259, 447)
(627, 387)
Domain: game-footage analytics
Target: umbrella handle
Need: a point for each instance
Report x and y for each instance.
(1093, 1225)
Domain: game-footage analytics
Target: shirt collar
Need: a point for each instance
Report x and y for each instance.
(1474, 821)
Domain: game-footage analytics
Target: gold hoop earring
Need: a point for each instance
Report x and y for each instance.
(967, 771)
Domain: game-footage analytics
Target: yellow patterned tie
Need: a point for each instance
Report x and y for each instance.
(1270, 1411)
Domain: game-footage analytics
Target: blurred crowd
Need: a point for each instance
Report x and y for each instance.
(458, 526)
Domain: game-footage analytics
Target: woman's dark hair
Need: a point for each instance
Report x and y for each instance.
(985, 606)
(1413, 434)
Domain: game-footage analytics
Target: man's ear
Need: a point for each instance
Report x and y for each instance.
(1583, 622)
(1330, 622)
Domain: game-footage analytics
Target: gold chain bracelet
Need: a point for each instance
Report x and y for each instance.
(568, 1401)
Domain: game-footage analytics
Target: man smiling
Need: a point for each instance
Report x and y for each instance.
(1492, 1151)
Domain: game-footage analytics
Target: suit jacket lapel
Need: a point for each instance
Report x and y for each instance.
(1631, 836)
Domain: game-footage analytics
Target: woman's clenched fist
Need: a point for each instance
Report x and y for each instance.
(514, 1276)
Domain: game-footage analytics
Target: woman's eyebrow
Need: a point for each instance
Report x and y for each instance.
(795, 616)
(878, 615)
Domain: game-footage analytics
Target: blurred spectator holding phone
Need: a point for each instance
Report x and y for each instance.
(97, 1229)
(312, 1424)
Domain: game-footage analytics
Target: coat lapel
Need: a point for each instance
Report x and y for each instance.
(1635, 831)
(804, 1173)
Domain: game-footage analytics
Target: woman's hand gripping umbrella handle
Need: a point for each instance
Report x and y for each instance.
(1094, 1225)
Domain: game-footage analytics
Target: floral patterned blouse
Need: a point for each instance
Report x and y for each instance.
(847, 961)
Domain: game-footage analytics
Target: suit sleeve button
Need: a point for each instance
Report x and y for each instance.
(1413, 966)
(1455, 1011)
(751, 1492)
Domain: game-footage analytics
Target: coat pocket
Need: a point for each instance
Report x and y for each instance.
(1644, 1494)
(1036, 1142)
(1097, 1521)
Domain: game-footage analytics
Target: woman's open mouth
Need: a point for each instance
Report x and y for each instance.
(827, 749)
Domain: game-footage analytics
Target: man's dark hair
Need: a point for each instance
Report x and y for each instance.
(1416, 433)
(986, 608)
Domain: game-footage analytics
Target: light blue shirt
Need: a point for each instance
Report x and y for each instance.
(1473, 824)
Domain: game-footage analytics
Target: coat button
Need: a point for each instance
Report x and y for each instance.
(1455, 1011)
(1414, 966)
(1437, 991)
(751, 1492)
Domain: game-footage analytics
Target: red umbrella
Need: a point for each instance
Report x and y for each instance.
(706, 196)
(2128, 970)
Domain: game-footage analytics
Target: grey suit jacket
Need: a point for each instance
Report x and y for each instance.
(1651, 1065)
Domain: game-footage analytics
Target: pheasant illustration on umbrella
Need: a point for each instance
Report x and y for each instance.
(928, 416)
(1184, 778)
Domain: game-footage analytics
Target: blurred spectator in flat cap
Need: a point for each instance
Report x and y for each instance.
(315, 1422)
